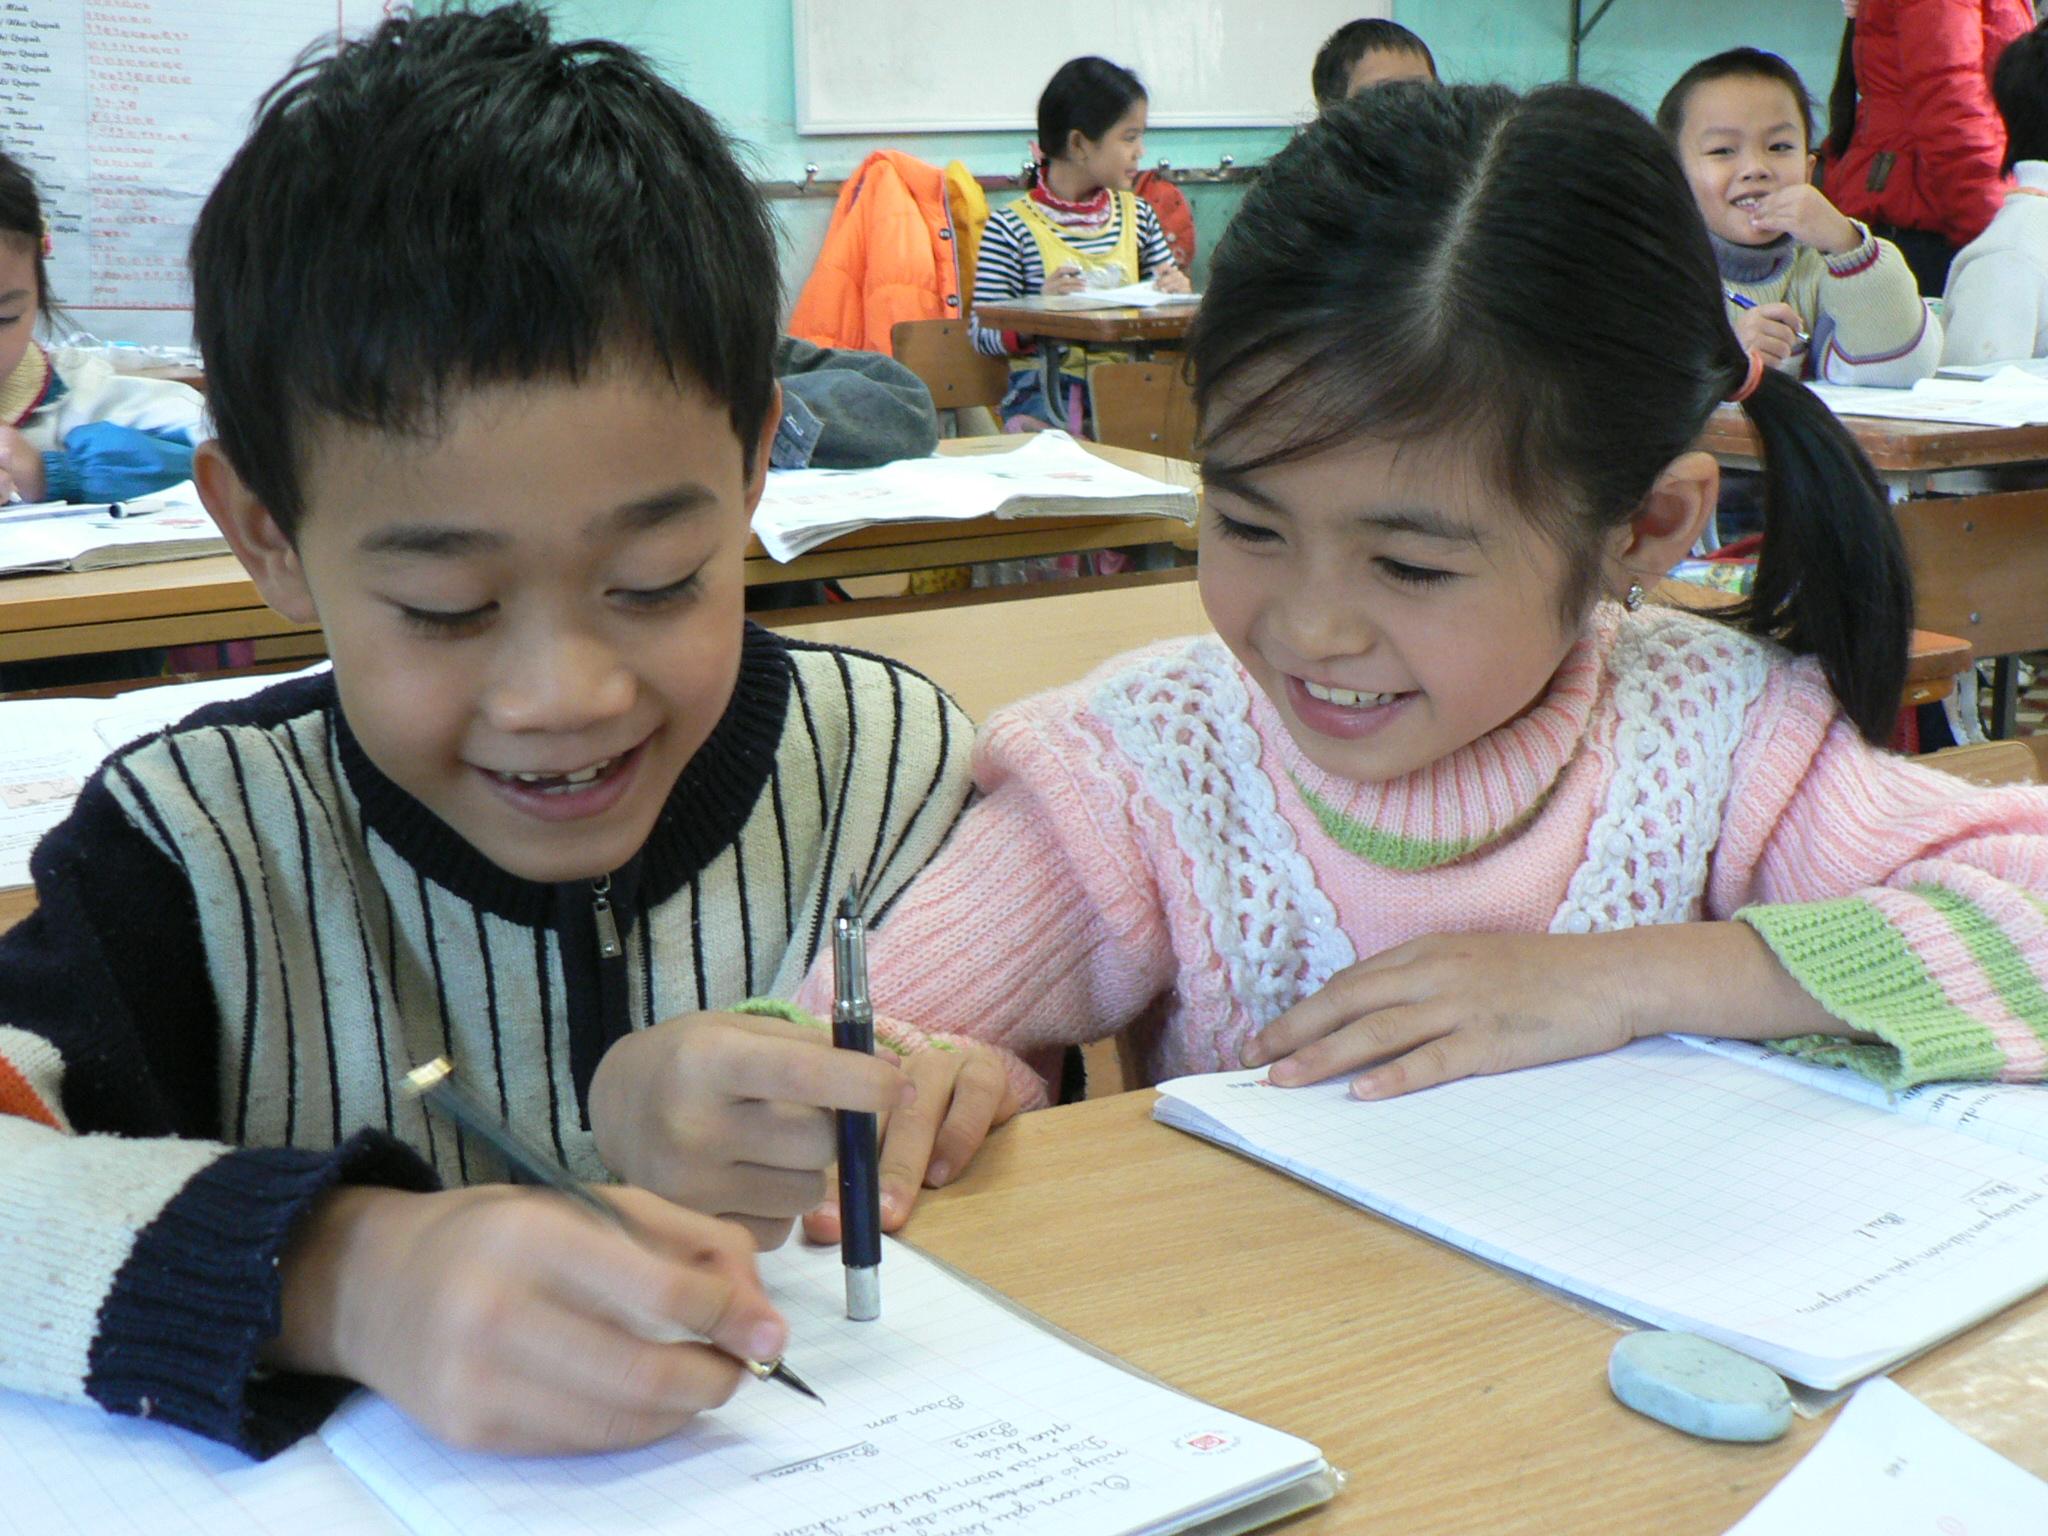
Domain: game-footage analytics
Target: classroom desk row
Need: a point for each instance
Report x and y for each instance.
(184, 602)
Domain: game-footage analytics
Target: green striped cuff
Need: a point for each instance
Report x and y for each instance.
(1857, 965)
(789, 1013)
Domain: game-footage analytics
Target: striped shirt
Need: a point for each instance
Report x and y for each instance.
(247, 934)
(1007, 264)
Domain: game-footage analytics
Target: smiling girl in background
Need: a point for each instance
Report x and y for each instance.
(1080, 226)
(1807, 288)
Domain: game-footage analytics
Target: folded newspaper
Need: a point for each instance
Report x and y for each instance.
(1049, 475)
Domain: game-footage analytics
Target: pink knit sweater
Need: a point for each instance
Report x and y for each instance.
(1152, 845)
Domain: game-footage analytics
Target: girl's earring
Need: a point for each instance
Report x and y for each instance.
(1633, 598)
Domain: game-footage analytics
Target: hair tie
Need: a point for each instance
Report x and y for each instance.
(1749, 384)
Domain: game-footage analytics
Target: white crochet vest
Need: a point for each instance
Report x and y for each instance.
(1682, 687)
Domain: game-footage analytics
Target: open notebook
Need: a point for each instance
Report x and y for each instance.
(1048, 475)
(66, 536)
(955, 1413)
(1785, 1210)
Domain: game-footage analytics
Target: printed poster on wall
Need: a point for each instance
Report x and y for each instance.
(125, 111)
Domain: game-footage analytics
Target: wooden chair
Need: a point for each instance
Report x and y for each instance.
(941, 352)
(1147, 406)
(1980, 567)
(1988, 763)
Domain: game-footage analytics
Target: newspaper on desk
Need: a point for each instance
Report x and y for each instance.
(1050, 475)
(50, 747)
(73, 536)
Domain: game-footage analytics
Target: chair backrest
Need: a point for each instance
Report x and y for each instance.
(1980, 567)
(1147, 406)
(941, 352)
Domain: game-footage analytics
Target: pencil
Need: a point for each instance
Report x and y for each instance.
(435, 1086)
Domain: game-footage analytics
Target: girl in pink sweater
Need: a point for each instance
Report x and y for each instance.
(1442, 795)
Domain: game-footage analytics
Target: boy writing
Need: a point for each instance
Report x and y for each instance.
(489, 353)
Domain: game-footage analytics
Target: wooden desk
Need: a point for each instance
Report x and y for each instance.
(1457, 1398)
(183, 602)
(1979, 560)
(1127, 327)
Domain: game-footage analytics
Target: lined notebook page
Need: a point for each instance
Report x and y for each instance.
(66, 1469)
(951, 1414)
(1824, 1237)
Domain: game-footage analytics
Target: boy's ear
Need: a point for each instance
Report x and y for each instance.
(266, 553)
(1812, 160)
(764, 447)
(1670, 520)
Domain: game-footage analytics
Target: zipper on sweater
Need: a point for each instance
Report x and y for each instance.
(608, 946)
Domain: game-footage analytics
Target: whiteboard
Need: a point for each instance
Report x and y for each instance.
(941, 66)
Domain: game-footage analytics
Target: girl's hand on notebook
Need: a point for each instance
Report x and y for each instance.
(962, 1094)
(1170, 279)
(731, 1113)
(1067, 279)
(508, 1319)
(1803, 212)
(1462, 1004)
(1772, 329)
(21, 467)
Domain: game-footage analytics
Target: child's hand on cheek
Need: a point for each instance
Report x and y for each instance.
(1450, 1006)
(1804, 213)
(509, 1320)
(731, 1114)
(962, 1093)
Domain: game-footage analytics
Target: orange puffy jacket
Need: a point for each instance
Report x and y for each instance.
(888, 256)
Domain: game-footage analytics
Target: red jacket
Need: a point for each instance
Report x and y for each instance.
(1923, 73)
(888, 256)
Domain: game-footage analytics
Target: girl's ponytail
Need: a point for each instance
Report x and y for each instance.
(1832, 580)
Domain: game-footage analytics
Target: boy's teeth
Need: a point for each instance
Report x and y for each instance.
(1346, 697)
(580, 776)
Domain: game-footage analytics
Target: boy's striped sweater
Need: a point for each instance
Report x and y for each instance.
(1155, 835)
(247, 934)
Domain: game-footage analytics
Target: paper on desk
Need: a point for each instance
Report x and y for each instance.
(50, 747)
(2009, 397)
(1049, 476)
(1891, 1466)
(59, 536)
(1129, 296)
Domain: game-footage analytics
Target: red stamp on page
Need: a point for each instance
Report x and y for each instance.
(1207, 1442)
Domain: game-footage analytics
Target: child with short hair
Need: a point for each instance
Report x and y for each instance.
(71, 427)
(1364, 53)
(1443, 795)
(1996, 303)
(489, 348)
(1807, 288)
(1079, 226)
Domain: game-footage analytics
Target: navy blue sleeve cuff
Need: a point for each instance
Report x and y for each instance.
(199, 1297)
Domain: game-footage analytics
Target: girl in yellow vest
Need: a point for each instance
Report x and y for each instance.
(1080, 226)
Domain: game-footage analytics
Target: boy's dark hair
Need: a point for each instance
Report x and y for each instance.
(458, 200)
(1087, 93)
(2019, 84)
(1734, 64)
(21, 223)
(1343, 48)
(1529, 279)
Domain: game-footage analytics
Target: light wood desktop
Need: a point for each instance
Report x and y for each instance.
(1126, 327)
(185, 602)
(1456, 1398)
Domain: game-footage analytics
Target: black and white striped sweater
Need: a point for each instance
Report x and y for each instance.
(246, 934)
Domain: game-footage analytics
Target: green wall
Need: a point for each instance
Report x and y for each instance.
(735, 57)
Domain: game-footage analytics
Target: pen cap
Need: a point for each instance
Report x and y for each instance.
(849, 963)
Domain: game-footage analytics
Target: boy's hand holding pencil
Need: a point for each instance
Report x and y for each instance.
(505, 1318)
